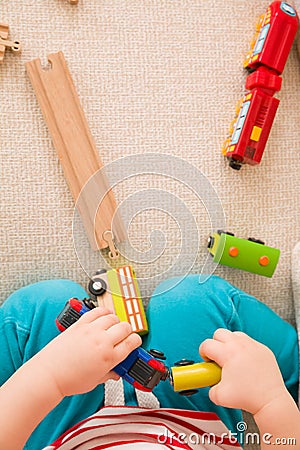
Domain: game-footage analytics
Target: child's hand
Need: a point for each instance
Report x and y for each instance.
(250, 374)
(83, 356)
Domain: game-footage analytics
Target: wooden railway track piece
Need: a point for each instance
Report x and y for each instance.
(60, 105)
(5, 43)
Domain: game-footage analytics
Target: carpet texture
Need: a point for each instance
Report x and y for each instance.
(157, 76)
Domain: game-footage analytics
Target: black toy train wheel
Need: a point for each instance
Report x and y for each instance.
(225, 232)
(184, 362)
(188, 392)
(257, 241)
(236, 165)
(99, 271)
(89, 303)
(97, 286)
(210, 242)
(157, 354)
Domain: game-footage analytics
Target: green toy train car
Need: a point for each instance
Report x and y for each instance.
(245, 254)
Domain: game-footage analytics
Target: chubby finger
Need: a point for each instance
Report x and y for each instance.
(210, 349)
(223, 335)
(94, 314)
(123, 348)
(241, 335)
(119, 332)
(221, 395)
(107, 321)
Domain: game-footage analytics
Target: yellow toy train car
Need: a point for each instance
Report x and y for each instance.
(186, 377)
(118, 290)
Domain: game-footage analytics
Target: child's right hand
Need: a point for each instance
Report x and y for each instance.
(84, 355)
(251, 378)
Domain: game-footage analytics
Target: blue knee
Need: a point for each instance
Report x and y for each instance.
(31, 311)
(186, 297)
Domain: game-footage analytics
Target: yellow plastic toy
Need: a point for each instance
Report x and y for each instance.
(193, 376)
(118, 290)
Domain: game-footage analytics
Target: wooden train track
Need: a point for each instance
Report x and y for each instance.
(60, 105)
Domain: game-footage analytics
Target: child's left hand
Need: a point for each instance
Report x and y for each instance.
(250, 375)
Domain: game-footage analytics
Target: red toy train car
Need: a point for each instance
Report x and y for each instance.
(275, 35)
(266, 59)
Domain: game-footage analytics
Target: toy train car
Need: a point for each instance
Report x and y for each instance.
(143, 369)
(245, 254)
(72, 311)
(251, 128)
(186, 376)
(256, 111)
(118, 290)
(140, 368)
(274, 37)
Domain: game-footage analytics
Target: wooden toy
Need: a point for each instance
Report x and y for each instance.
(245, 254)
(266, 59)
(118, 290)
(76, 150)
(15, 46)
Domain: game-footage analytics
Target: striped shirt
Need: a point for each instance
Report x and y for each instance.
(123, 427)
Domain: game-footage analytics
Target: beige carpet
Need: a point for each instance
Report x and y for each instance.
(160, 76)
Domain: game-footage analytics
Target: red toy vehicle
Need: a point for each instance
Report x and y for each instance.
(266, 59)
